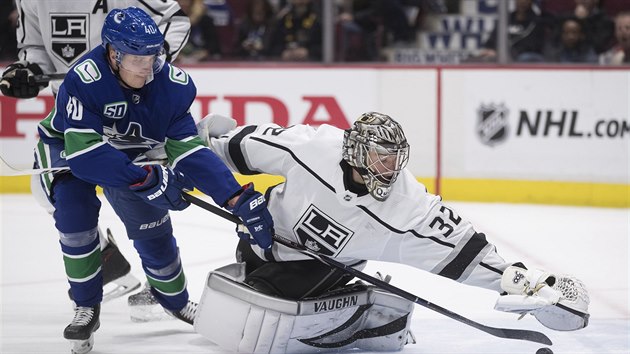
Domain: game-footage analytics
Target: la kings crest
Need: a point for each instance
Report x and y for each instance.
(69, 36)
(320, 233)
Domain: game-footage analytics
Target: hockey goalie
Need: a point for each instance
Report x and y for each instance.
(347, 195)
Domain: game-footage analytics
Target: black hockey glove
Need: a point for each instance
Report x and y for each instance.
(251, 207)
(163, 188)
(18, 80)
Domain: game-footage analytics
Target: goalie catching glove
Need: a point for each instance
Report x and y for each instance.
(251, 207)
(163, 188)
(558, 302)
(18, 80)
(213, 126)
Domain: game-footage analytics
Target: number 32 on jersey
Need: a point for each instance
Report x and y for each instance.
(447, 222)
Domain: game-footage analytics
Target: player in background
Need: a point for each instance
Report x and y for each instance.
(52, 35)
(349, 196)
(118, 102)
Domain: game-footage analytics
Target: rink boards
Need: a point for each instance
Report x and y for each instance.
(553, 135)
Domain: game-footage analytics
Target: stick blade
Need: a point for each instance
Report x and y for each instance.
(521, 334)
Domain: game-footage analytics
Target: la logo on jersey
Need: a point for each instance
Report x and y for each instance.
(320, 233)
(69, 36)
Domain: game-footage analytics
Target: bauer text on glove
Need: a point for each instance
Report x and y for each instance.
(162, 188)
(251, 207)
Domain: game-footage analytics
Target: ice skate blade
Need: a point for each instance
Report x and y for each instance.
(82, 346)
(148, 313)
(119, 287)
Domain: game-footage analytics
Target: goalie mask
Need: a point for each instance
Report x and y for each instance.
(135, 37)
(376, 146)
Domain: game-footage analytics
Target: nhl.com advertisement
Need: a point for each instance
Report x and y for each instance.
(495, 125)
(540, 125)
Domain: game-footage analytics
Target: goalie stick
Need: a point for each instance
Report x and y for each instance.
(8, 170)
(508, 333)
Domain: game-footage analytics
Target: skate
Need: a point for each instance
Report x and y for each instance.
(117, 279)
(187, 314)
(80, 332)
(143, 307)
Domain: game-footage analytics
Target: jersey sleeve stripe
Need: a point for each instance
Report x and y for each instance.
(471, 250)
(236, 154)
(295, 158)
(150, 8)
(23, 25)
(181, 44)
(413, 232)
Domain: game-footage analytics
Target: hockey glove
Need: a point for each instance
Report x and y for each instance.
(213, 126)
(251, 207)
(163, 188)
(18, 80)
(558, 302)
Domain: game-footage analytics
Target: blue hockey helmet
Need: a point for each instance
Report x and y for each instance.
(132, 31)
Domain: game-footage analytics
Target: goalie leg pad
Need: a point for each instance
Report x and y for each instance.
(355, 317)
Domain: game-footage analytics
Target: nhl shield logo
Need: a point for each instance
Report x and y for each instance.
(492, 123)
(69, 36)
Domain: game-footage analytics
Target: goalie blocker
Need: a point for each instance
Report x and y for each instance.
(354, 317)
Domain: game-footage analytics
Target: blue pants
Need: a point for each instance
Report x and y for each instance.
(76, 212)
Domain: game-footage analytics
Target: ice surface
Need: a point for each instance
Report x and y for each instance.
(591, 243)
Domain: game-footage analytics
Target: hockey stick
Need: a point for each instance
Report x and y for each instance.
(508, 333)
(7, 170)
(45, 78)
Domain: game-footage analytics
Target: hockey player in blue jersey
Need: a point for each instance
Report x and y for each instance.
(118, 103)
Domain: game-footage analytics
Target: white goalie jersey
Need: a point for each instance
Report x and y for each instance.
(56, 33)
(316, 208)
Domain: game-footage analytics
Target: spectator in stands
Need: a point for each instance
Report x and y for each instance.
(526, 31)
(367, 20)
(620, 53)
(8, 21)
(598, 27)
(203, 43)
(572, 46)
(254, 31)
(298, 33)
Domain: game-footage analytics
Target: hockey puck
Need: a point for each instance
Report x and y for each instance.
(544, 351)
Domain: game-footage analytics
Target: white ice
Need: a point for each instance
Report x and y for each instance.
(591, 243)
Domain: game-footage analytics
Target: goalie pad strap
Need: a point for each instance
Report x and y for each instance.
(356, 316)
(384, 330)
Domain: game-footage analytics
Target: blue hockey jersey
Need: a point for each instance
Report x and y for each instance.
(103, 127)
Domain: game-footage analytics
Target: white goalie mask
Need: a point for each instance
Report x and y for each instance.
(377, 147)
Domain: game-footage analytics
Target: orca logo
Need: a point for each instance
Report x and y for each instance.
(69, 36)
(320, 233)
(492, 123)
(131, 139)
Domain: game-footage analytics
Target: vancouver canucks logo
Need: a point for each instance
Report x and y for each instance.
(68, 36)
(492, 123)
(131, 139)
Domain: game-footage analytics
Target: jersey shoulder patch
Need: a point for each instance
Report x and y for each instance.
(178, 75)
(88, 71)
